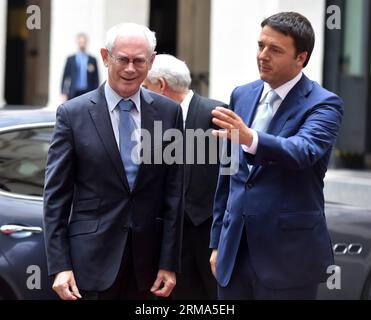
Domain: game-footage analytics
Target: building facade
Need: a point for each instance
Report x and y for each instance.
(217, 39)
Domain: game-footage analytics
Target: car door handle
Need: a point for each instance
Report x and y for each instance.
(13, 228)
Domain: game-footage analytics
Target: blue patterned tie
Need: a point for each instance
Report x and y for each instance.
(126, 128)
(264, 114)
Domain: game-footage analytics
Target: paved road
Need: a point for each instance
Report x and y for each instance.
(350, 187)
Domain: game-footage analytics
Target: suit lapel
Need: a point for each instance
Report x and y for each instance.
(190, 124)
(74, 66)
(148, 111)
(98, 110)
(250, 99)
(147, 119)
(294, 100)
(247, 114)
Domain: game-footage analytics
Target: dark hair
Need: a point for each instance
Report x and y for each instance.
(296, 26)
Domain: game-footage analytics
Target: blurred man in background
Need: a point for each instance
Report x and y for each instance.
(80, 72)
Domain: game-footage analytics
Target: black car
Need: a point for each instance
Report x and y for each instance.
(350, 231)
(24, 143)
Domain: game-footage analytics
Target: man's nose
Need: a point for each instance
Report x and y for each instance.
(130, 67)
(263, 54)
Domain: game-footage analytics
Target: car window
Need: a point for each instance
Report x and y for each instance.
(22, 160)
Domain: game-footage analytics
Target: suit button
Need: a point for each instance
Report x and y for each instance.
(125, 228)
(249, 185)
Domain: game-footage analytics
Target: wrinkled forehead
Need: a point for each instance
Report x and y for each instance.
(137, 43)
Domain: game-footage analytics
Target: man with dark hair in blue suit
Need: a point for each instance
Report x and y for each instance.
(113, 224)
(269, 231)
(80, 73)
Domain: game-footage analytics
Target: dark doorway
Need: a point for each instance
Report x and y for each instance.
(15, 52)
(27, 54)
(163, 20)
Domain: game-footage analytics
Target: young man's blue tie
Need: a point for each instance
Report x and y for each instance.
(126, 129)
(265, 113)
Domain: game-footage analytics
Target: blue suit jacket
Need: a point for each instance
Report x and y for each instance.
(70, 73)
(88, 205)
(280, 202)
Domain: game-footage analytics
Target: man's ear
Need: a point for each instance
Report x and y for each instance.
(301, 58)
(163, 84)
(104, 54)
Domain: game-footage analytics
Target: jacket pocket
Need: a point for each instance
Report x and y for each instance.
(82, 227)
(299, 220)
(87, 205)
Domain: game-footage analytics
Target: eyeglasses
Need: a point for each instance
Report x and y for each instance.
(125, 61)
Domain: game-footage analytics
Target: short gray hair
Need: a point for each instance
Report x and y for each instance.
(128, 29)
(173, 70)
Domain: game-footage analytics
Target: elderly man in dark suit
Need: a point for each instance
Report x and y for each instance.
(80, 73)
(171, 77)
(269, 232)
(113, 223)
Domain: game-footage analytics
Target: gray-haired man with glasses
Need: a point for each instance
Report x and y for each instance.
(121, 240)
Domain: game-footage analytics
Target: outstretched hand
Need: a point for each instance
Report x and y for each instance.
(233, 127)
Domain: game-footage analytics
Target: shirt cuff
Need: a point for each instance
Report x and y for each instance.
(254, 143)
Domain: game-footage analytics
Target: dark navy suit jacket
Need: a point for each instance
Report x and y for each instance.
(200, 178)
(69, 81)
(280, 202)
(84, 171)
